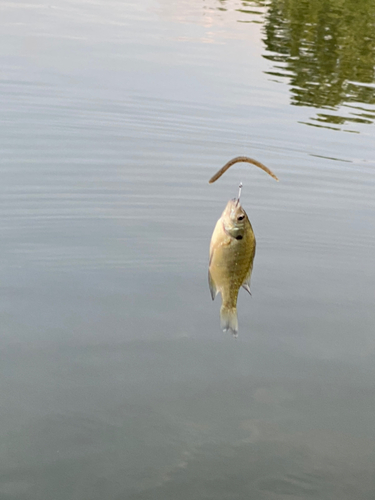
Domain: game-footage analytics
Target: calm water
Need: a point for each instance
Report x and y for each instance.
(116, 380)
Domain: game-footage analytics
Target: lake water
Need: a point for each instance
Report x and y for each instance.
(116, 380)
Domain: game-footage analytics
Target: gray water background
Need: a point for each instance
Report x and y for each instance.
(116, 380)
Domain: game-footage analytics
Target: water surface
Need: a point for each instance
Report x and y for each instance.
(117, 382)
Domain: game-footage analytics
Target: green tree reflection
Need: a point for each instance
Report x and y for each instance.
(327, 49)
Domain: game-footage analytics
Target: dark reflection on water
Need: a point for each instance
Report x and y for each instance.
(327, 51)
(250, 7)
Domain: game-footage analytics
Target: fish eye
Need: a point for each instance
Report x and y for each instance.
(239, 237)
(241, 217)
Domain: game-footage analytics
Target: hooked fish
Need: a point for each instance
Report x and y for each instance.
(232, 252)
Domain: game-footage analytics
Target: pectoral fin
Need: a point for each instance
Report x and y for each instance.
(246, 283)
(212, 286)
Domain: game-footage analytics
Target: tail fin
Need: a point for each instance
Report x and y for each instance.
(228, 317)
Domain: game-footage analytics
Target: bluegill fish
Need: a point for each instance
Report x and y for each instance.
(232, 252)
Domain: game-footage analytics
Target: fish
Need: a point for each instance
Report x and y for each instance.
(232, 252)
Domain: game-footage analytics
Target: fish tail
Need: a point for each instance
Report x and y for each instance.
(228, 317)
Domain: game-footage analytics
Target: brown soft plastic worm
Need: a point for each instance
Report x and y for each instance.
(241, 159)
